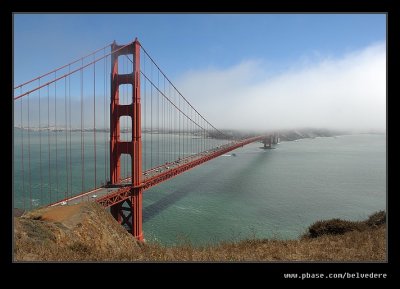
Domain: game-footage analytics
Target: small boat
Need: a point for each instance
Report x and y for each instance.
(234, 155)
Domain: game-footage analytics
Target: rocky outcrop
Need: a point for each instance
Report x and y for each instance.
(85, 229)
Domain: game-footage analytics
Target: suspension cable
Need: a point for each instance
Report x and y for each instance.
(40, 151)
(82, 137)
(29, 155)
(70, 72)
(48, 139)
(66, 137)
(61, 67)
(56, 132)
(22, 157)
(94, 124)
(178, 90)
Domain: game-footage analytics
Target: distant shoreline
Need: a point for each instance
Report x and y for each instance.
(287, 134)
(292, 135)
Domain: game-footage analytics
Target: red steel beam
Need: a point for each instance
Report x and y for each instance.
(124, 192)
(136, 156)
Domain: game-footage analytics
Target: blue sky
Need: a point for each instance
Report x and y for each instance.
(191, 41)
(191, 47)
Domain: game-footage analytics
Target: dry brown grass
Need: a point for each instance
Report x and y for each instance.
(369, 245)
(91, 234)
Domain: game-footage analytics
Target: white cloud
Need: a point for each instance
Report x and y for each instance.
(343, 93)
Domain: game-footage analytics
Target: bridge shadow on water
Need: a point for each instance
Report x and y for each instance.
(156, 208)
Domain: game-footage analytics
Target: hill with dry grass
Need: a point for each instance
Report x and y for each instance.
(87, 232)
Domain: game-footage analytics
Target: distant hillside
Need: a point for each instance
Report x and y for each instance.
(87, 232)
(290, 135)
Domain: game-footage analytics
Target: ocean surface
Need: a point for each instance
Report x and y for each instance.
(274, 193)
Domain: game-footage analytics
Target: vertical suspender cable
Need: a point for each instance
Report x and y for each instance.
(176, 147)
(204, 136)
(163, 119)
(70, 132)
(167, 130)
(66, 138)
(170, 126)
(145, 147)
(196, 132)
(122, 95)
(29, 155)
(196, 148)
(48, 139)
(173, 111)
(158, 117)
(55, 130)
(184, 123)
(82, 145)
(94, 122)
(127, 132)
(106, 120)
(40, 151)
(151, 119)
(163, 125)
(179, 121)
(126, 121)
(22, 157)
(104, 117)
(193, 127)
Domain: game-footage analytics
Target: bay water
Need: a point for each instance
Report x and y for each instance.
(250, 192)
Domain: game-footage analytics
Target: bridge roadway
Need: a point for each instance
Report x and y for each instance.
(113, 194)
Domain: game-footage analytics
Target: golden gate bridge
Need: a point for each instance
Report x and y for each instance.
(105, 128)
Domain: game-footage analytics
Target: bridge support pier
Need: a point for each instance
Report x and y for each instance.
(271, 139)
(129, 214)
(116, 212)
(136, 206)
(267, 142)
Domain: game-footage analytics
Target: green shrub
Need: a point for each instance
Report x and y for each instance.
(377, 219)
(332, 227)
(339, 227)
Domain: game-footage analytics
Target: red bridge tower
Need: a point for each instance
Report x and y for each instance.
(133, 205)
